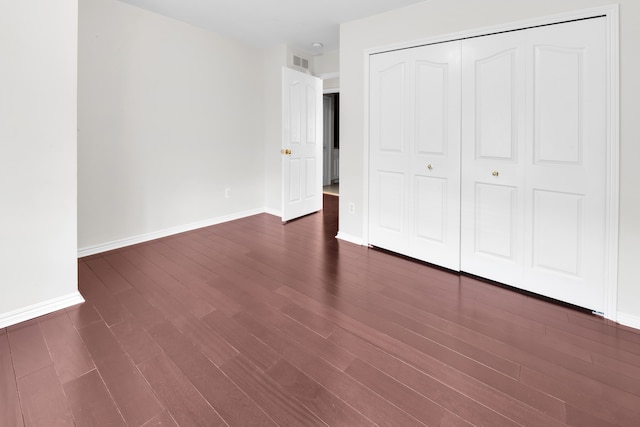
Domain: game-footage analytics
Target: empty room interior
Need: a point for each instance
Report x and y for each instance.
(390, 212)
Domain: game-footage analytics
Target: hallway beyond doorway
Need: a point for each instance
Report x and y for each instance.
(332, 189)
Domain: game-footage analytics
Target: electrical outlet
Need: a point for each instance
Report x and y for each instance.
(352, 207)
(227, 193)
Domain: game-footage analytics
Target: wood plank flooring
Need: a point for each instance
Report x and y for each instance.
(255, 323)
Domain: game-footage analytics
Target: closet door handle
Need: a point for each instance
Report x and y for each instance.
(495, 173)
(429, 166)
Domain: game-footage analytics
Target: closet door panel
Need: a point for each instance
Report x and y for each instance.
(431, 99)
(431, 195)
(558, 111)
(489, 155)
(493, 102)
(414, 191)
(558, 224)
(566, 165)
(434, 226)
(534, 120)
(391, 106)
(496, 221)
(495, 94)
(389, 149)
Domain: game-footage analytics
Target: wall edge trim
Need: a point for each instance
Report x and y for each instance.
(40, 309)
(349, 238)
(133, 240)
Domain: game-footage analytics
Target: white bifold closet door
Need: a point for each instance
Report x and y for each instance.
(414, 202)
(534, 132)
(488, 155)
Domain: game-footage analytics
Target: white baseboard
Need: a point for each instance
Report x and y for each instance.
(629, 320)
(117, 244)
(349, 238)
(40, 309)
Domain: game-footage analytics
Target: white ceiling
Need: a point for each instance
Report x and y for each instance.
(265, 23)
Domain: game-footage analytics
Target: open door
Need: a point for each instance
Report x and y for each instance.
(301, 144)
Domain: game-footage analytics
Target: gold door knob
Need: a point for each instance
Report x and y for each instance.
(495, 173)
(285, 151)
(429, 166)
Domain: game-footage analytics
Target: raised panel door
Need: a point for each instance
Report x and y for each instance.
(493, 140)
(301, 145)
(566, 163)
(415, 153)
(434, 159)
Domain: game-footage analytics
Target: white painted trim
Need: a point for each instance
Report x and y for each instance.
(629, 320)
(613, 165)
(611, 13)
(327, 76)
(367, 142)
(608, 11)
(117, 244)
(40, 309)
(349, 238)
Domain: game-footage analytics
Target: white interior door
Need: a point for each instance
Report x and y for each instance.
(434, 158)
(301, 144)
(493, 138)
(534, 160)
(388, 146)
(566, 164)
(415, 153)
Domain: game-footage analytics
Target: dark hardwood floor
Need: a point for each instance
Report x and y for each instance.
(253, 323)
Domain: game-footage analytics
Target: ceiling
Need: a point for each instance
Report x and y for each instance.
(266, 23)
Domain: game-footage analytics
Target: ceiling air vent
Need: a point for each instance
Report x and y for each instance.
(300, 62)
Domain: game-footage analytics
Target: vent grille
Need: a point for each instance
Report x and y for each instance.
(298, 61)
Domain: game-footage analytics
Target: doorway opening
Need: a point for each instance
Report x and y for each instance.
(331, 144)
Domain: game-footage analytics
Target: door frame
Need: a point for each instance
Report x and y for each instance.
(327, 142)
(331, 91)
(611, 14)
(330, 157)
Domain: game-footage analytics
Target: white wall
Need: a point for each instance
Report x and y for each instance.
(38, 50)
(169, 116)
(326, 63)
(438, 17)
(327, 67)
